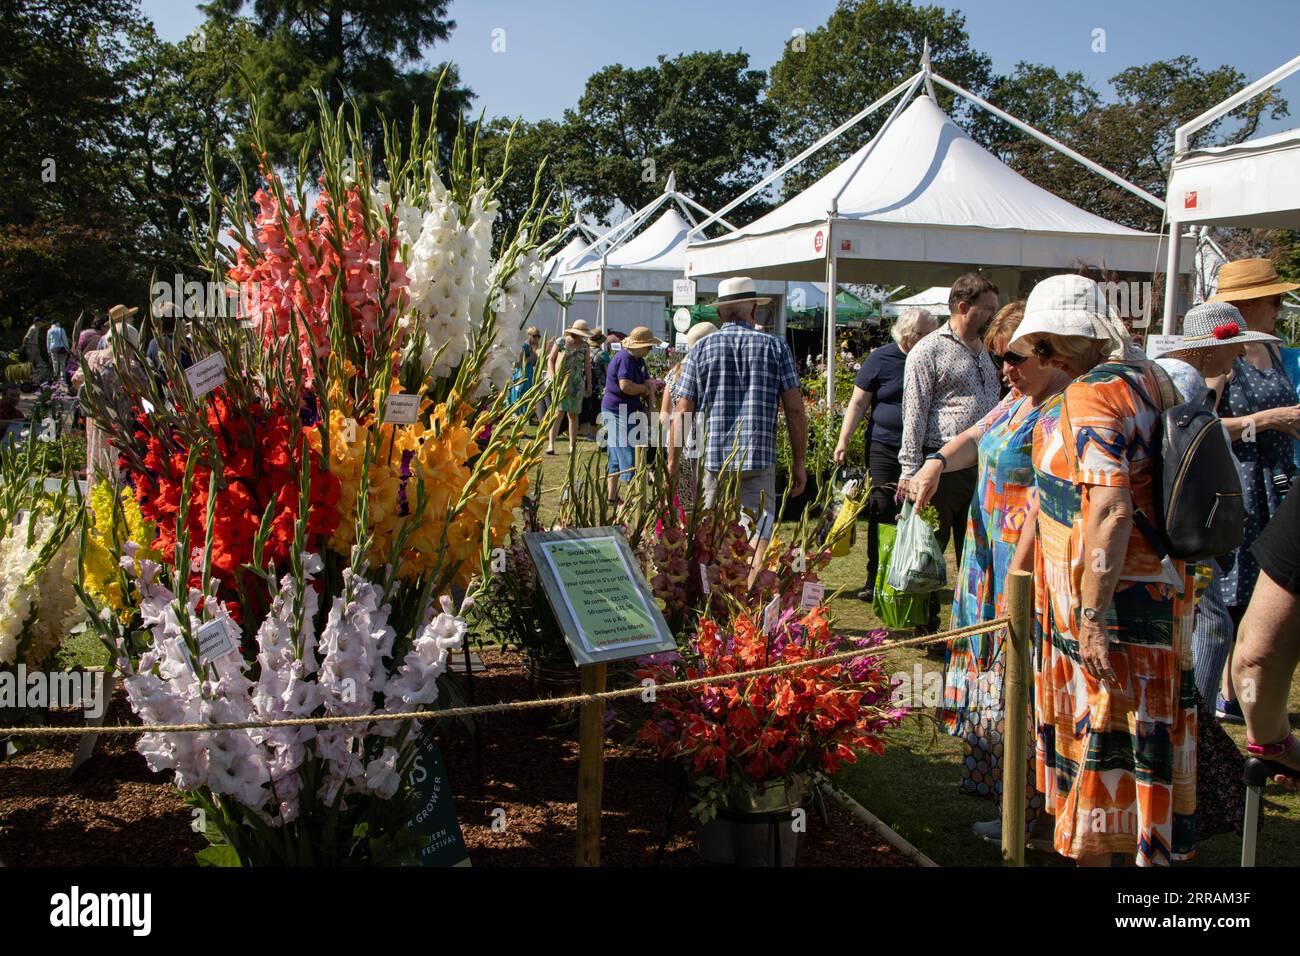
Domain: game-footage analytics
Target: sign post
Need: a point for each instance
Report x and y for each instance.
(607, 613)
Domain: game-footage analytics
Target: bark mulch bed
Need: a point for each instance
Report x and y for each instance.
(114, 811)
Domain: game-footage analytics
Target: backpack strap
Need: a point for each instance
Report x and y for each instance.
(1144, 525)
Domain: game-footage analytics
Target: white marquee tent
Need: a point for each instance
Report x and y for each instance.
(920, 203)
(934, 300)
(1255, 184)
(638, 265)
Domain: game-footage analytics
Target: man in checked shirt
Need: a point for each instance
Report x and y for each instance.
(949, 384)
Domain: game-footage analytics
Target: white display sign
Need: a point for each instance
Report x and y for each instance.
(403, 409)
(1158, 345)
(216, 640)
(683, 292)
(207, 374)
(770, 614)
(813, 593)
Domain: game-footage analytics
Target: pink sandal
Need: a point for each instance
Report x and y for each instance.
(1264, 753)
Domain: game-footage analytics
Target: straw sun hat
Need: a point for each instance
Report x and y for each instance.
(580, 329)
(698, 332)
(1250, 279)
(120, 313)
(640, 338)
(1212, 324)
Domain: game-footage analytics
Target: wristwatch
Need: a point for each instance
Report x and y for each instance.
(1091, 613)
(937, 456)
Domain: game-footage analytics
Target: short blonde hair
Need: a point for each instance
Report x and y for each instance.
(909, 322)
(1084, 353)
(1004, 324)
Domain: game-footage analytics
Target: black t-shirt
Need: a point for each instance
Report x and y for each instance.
(882, 375)
(1277, 549)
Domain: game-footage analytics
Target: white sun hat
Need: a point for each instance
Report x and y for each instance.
(1072, 306)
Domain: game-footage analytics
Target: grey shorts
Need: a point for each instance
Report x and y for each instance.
(757, 495)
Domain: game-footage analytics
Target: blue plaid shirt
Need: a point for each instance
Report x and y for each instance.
(735, 378)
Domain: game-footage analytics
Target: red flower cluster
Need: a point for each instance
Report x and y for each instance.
(261, 456)
(764, 728)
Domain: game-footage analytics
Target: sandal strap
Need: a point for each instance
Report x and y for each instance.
(1270, 750)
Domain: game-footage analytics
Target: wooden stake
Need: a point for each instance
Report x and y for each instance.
(1020, 608)
(591, 766)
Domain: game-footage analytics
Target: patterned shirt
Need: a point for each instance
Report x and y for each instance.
(735, 378)
(946, 390)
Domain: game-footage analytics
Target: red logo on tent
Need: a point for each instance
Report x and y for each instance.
(846, 245)
(1189, 199)
(614, 284)
(819, 241)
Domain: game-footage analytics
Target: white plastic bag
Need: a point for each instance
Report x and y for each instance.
(917, 565)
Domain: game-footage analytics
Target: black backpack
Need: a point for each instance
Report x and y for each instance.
(1199, 511)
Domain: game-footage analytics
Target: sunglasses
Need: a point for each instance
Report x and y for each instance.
(1010, 358)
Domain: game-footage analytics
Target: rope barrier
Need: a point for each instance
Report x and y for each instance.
(537, 704)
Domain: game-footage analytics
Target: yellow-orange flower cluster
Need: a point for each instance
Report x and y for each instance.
(420, 475)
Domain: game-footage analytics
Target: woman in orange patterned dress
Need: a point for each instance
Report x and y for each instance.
(1115, 705)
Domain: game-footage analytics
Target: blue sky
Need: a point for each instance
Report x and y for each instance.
(551, 48)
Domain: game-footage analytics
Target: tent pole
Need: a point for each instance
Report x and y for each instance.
(773, 176)
(1171, 277)
(1058, 146)
(602, 297)
(830, 319)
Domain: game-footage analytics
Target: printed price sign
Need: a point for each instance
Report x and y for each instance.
(206, 375)
(216, 640)
(813, 593)
(599, 596)
(403, 409)
(1158, 345)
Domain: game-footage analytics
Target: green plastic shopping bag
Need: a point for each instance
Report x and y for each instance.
(896, 611)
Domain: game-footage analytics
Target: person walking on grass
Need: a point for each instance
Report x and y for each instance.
(736, 379)
(624, 409)
(949, 384)
(569, 366)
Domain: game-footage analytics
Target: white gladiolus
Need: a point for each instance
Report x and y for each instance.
(340, 671)
(37, 597)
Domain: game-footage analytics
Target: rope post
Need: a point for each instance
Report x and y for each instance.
(1020, 609)
(591, 765)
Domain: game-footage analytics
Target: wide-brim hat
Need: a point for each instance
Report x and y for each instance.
(579, 328)
(640, 338)
(1213, 324)
(1250, 279)
(698, 332)
(739, 289)
(1072, 306)
(119, 312)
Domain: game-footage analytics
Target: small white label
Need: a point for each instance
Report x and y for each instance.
(215, 640)
(770, 614)
(704, 580)
(403, 409)
(206, 375)
(813, 593)
(1158, 345)
(683, 292)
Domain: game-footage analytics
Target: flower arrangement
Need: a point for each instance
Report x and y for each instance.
(38, 559)
(310, 527)
(734, 736)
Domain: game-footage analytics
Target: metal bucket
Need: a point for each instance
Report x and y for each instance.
(757, 829)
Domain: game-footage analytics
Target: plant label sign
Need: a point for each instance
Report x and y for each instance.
(600, 598)
(403, 409)
(771, 614)
(1158, 345)
(434, 821)
(216, 640)
(207, 374)
(813, 592)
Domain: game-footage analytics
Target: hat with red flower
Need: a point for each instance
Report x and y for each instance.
(1214, 324)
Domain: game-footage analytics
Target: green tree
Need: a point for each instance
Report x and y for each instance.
(349, 49)
(530, 145)
(864, 50)
(701, 116)
(70, 237)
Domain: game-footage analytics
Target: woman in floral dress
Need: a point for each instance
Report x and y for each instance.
(1114, 695)
(570, 366)
(1002, 443)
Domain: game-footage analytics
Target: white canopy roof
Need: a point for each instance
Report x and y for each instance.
(1254, 185)
(647, 263)
(563, 260)
(933, 299)
(926, 204)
